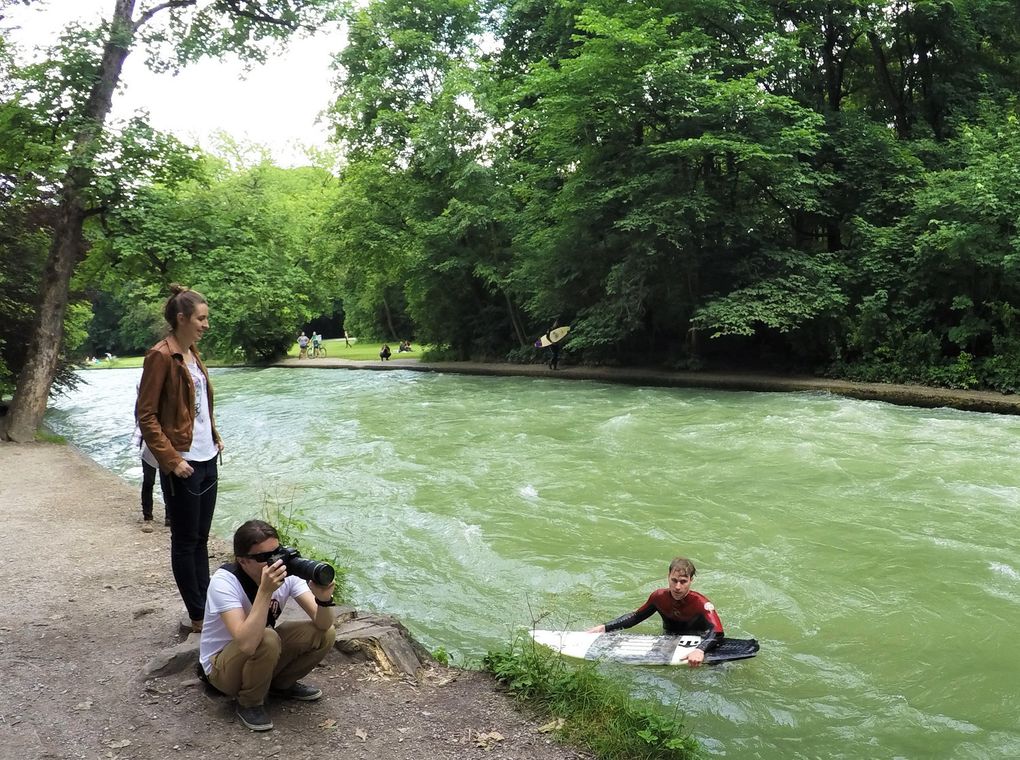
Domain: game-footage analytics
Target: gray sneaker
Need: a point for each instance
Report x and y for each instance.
(299, 690)
(256, 718)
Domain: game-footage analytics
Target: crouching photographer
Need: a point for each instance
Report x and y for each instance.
(243, 652)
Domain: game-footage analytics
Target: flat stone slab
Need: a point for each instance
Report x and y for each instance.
(173, 660)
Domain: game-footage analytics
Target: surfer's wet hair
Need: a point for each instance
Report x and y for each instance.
(682, 565)
(251, 533)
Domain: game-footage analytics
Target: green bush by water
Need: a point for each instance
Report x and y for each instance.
(590, 710)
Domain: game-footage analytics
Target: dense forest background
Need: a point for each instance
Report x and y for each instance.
(789, 185)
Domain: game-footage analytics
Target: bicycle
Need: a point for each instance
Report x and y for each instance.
(318, 351)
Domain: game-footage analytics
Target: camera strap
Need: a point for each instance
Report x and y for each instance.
(251, 588)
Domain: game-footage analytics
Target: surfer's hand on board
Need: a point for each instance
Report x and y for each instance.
(597, 629)
(695, 658)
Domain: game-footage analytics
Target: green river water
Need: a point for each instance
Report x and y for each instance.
(870, 548)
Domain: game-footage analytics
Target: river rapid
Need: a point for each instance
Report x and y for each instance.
(870, 548)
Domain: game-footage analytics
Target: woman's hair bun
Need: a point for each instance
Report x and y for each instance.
(177, 288)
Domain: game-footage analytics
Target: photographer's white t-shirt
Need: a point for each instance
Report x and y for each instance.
(225, 593)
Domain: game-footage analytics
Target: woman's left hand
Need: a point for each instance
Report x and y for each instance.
(695, 658)
(322, 593)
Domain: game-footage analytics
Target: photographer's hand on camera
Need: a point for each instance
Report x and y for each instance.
(322, 593)
(273, 577)
(324, 604)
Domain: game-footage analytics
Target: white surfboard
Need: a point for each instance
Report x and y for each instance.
(553, 336)
(639, 649)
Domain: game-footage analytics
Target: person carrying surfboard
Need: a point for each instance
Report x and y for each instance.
(683, 610)
(552, 340)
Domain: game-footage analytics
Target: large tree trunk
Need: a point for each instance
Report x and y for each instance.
(36, 377)
(518, 330)
(894, 95)
(40, 366)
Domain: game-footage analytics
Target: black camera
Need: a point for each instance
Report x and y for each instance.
(321, 573)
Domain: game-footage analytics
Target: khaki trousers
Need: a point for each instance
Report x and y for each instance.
(285, 654)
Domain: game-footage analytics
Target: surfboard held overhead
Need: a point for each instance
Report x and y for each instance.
(640, 649)
(553, 336)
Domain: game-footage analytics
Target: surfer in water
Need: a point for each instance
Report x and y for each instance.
(683, 611)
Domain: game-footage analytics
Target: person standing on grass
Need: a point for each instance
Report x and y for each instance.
(174, 411)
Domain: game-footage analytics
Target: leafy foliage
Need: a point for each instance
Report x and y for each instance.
(244, 238)
(593, 711)
(822, 186)
(76, 101)
(687, 182)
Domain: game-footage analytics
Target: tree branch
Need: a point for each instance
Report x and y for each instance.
(257, 14)
(147, 16)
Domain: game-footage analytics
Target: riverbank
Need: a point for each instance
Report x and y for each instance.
(901, 394)
(90, 600)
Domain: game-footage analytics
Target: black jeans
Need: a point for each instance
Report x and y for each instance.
(190, 503)
(148, 481)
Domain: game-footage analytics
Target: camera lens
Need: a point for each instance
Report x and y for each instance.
(321, 573)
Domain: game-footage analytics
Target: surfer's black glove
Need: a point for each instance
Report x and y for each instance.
(710, 639)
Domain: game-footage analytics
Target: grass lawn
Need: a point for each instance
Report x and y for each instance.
(335, 349)
(359, 352)
(118, 362)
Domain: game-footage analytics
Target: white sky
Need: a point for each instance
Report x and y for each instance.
(275, 105)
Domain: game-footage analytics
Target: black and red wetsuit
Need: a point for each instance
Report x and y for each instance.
(692, 615)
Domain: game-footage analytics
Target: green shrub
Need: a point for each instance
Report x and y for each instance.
(441, 656)
(591, 710)
(960, 374)
(1001, 371)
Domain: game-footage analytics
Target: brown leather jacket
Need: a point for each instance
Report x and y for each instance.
(165, 409)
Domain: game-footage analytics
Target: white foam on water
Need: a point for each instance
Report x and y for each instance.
(528, 492)
(471, 532)
(619, 421)
(1006, 570)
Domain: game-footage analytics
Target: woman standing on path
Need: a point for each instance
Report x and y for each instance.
(175, 414)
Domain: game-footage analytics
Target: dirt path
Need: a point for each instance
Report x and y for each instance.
(89, 599)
